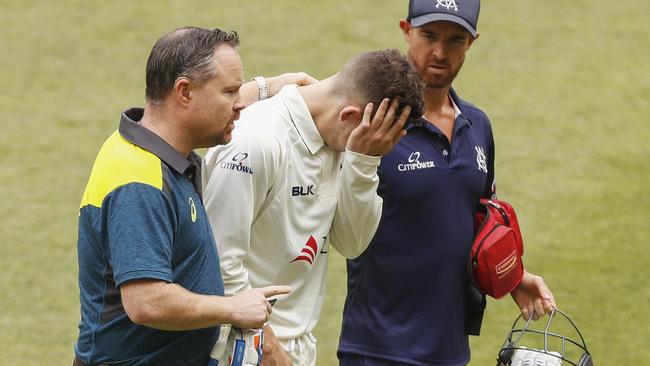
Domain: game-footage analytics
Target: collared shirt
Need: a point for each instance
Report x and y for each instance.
(284, 197)
(141, 217)
(406, 293)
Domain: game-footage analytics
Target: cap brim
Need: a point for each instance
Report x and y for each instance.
(433, 17)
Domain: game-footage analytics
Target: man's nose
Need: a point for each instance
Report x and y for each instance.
(439, 51)
(238, 106)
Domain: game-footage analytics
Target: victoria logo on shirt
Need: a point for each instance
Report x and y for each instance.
(237, 164)
(481, 160)
(415, 164)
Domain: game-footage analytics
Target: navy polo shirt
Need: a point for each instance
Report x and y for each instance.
(141, 217)
(406, 292)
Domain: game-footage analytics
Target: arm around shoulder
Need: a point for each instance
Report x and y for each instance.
(255, 90)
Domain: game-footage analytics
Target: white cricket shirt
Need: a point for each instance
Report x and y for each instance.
(277, 197)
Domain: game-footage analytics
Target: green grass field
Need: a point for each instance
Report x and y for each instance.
(565, 82)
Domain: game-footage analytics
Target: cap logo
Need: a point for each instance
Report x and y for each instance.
(448, 4)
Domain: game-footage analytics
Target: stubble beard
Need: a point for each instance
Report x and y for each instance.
(223, 138)
(444, 83)
(441, 83)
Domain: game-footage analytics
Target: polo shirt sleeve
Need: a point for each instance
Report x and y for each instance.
(237, 177)
(139, 233)
(359, 206)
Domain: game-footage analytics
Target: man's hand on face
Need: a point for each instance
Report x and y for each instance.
(378, 135)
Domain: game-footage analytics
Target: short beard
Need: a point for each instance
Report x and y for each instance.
(437, 86)
(223, 138)
(429, 86)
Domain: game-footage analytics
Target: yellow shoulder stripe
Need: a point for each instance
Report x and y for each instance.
(120, 162)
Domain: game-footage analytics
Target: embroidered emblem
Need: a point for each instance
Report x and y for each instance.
(481, 160)
(192, 210)
(448, 4)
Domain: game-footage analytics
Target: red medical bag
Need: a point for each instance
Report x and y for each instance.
(495, 263)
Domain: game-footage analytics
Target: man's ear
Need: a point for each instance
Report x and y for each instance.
(183, 90)
(406, 28)
(472, 39)
(350, 113)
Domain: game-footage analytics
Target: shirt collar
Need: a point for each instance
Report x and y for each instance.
(460, 119)
(134, 132)
(301, 118)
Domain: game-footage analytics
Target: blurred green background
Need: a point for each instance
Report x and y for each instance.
(566, 84)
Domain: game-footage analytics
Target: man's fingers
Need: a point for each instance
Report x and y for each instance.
(549, 303)
(399, 124)
(271, 291)
(310, 80)
(380, 113)
(539, 308)
(388, 120)
(367, 112)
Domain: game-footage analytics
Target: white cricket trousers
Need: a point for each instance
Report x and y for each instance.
(301, 350)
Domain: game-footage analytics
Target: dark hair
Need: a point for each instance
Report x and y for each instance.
(185, 52)
(376, 75)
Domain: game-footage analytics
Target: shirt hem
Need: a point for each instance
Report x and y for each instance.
(141, 275)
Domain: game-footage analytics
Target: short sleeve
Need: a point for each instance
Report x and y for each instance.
(140, 227)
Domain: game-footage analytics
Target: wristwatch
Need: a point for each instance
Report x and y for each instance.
(262, 87)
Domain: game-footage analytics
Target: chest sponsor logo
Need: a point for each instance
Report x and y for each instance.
(447, 4)
(237, 163)
(308, 252)
(414, 163)
(481, 160)
(192, 210)
(302, 191)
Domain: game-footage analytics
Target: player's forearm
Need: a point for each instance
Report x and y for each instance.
(168, 306)
(359, 207)
(250, 92)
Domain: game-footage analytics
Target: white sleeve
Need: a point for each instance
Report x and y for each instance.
(236, 179)
(359, 207)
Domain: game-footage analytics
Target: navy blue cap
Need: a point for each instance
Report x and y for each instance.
(462, 12)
